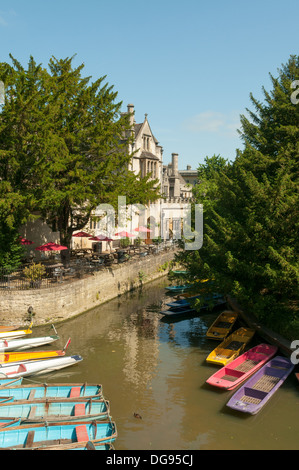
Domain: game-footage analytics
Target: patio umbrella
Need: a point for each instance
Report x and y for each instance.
(142, 229)
(102, 238)
(82, 235)
(124, 234)
(51, 247)
(25, 241)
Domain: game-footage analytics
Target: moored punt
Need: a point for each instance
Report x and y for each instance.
(178, 303)
(222, 326)
(258, 390)
(186, 309)
(231, 347)
(57, 391)
(11, 357)
(16, 333)
(9, 327)
(89, 446)
(183, 310)
(241, 368)
(5, 422)
(46, 436)
(9, 382)
(19, 344)
(178, 288)
(55, 411)
(44, 366)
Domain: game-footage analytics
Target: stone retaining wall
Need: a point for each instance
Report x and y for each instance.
(68, 299)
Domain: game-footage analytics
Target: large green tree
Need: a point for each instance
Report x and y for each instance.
(250, 243)
(62, 144)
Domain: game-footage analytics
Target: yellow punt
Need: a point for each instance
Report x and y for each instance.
(15, 333)
(222, 326)
(231, 347)
(28, 356)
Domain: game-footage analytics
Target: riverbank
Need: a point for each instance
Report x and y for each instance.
(69, 299)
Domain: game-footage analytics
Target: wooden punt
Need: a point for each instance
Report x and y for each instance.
(55, 411)
(258, 390)
(88, 446)
(38, 367)
(241, 368)
(20, 344)
(56, 391)
(49, 436)
(20, 356)
(16, 333)
(178, 288)
(9, 327)
(9, 382)
(222, 326)
(231, 347)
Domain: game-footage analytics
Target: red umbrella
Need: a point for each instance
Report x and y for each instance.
(51, 247)
(142, 229)
(125, 234)
(24, 241)
(82, 234)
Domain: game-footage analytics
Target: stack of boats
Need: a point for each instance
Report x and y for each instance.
(48, 416)
(186, 304)
(256, 374)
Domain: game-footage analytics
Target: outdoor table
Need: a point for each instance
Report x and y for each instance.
(52, 268)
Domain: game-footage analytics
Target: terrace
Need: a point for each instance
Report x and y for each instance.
(84, 262)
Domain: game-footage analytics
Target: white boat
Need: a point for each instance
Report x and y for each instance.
(19, 344)
(38, 367)
(15, 333)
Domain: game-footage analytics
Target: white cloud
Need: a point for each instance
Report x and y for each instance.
(214, 122)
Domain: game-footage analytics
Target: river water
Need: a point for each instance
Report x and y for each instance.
(158, 371)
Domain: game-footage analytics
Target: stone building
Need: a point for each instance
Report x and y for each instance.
(148, 153)
(177, 184)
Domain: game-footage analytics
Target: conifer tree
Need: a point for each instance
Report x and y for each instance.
(250, 243)
(61, 144)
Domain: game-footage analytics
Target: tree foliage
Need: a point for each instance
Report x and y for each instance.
(61, 143)
(250, 244)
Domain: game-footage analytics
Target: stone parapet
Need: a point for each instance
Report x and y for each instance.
(69, 299)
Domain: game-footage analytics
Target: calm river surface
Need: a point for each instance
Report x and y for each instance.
(158, 370)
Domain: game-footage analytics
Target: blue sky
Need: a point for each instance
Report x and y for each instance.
(190, 65)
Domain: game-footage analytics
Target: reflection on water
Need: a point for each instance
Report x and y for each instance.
(157, 370)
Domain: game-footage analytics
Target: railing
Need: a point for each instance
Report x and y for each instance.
(56, 273)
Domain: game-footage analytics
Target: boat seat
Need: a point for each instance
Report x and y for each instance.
(75, 392)
(32, 412)
(29, 440)
(81, 433)
(79, 409)
(31, 394)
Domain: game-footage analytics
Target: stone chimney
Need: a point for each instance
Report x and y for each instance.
(175, 164)
(175, 181)
(132, 112)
